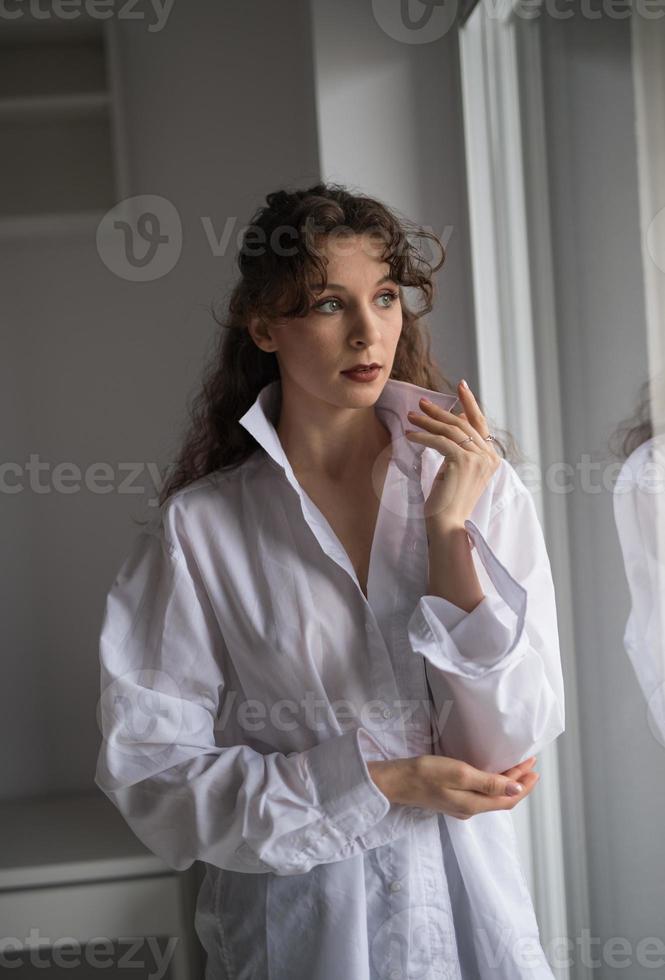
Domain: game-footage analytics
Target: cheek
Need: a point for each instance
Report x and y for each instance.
(310, 344)
(396, 328)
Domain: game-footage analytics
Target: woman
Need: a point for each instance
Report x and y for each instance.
(325, 666)
(639, 515)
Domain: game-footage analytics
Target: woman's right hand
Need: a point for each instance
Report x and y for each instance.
(449, 785)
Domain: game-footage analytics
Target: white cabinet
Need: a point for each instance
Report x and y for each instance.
(59, 122)
(72, 871)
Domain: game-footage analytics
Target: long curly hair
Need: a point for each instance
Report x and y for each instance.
(274, 283)
(632, 432)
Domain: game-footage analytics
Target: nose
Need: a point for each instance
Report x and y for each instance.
(366, 325)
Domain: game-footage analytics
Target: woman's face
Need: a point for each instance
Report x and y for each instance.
(356, 319)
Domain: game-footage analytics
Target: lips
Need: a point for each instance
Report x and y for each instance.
(361, 367)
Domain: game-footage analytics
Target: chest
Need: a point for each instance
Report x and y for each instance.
(352, 510)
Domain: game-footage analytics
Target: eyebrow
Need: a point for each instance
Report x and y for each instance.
(337, 285)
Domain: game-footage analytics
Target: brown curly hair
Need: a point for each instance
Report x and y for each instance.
(632, 432)
(275, 283)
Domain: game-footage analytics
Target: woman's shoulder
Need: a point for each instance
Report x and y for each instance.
(644, 467)
(222, 499)
(219, 487)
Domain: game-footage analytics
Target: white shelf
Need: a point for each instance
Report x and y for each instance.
(70, 866)
(59, 120)
(31, 226)
(62, 840)
(35, 106)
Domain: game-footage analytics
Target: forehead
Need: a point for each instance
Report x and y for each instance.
(354, 252)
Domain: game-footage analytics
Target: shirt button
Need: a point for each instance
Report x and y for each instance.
(395, 975)
(395, 886)
(368, 627)
(387, 712)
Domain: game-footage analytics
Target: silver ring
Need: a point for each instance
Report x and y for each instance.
(471, 439)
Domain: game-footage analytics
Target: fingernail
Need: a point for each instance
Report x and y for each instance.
(425, 401)
(514, 789)
(463, 383)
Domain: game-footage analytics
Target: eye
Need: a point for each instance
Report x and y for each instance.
(388, 293)
(319, 306)
(392, 295)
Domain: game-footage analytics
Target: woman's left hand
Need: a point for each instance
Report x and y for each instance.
(467, 469)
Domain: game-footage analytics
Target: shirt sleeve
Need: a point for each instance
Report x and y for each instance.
(183, 795)
(495, 673)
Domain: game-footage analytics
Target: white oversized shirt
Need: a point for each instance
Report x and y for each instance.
(246, 681)
(639, 513)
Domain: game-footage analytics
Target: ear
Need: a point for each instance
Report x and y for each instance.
(259, 331)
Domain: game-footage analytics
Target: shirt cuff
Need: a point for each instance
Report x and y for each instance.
(471, 643)
(345, 790)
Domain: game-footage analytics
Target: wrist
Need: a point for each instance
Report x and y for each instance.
(445, 527)
(394, 778)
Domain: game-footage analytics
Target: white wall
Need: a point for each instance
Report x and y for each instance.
(390, 122)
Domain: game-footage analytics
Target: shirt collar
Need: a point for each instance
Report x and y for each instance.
(396, 399)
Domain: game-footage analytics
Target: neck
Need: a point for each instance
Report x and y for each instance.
(338, 443)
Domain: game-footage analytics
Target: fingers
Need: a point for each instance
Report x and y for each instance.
(475, 416)
(434, 413)
(475, 780)
(493, 784)
(525, 765)
(444, 443)
(447, 423)
(481, 791)
(459, 789)
(472, 803)
(471, 407)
